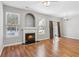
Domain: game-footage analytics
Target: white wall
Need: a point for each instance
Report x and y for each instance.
(71, 27)
(1, 27)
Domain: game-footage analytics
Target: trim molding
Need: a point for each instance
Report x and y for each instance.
(70, 37)
(13, 44)
(1, 51)
(42, 39)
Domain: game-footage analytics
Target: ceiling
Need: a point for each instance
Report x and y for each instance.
(56, 8)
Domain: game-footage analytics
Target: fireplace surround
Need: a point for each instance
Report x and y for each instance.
(31, 30)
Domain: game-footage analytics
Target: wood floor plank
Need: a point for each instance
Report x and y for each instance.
(66, 47)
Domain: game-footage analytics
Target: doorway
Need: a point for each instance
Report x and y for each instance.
(51, 29)
(54, 28)
(59, 33)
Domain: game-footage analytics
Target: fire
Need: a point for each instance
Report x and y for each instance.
(30, 37)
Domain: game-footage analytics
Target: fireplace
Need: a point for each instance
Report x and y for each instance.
(29, 38)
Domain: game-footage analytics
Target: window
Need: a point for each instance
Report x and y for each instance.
(12, 23)
(42, 26)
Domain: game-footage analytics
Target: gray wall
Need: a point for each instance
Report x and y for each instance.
(22, 13)
(13, 39)
(70, 27)
(1, 27)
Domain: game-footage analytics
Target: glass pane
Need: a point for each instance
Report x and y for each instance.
(12, 19)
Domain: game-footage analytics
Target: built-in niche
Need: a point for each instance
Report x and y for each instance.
(29, 20)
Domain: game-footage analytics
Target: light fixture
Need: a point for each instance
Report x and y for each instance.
(46, 3)
(66, 19)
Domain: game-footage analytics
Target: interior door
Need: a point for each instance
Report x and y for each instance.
(51, 29)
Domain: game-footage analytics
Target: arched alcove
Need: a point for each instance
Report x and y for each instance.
(29, 20)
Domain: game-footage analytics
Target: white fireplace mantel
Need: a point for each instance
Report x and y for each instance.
(29, 30)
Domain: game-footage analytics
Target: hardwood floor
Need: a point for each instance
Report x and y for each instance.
(46, 48)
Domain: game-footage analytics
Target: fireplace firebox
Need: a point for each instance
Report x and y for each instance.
(29, 38)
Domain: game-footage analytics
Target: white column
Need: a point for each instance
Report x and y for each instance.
(55, 31)
(1, 27)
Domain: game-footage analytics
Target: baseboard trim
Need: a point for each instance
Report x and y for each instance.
(1, 51)
(13, 44)
(70, 37)
(42, 39)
